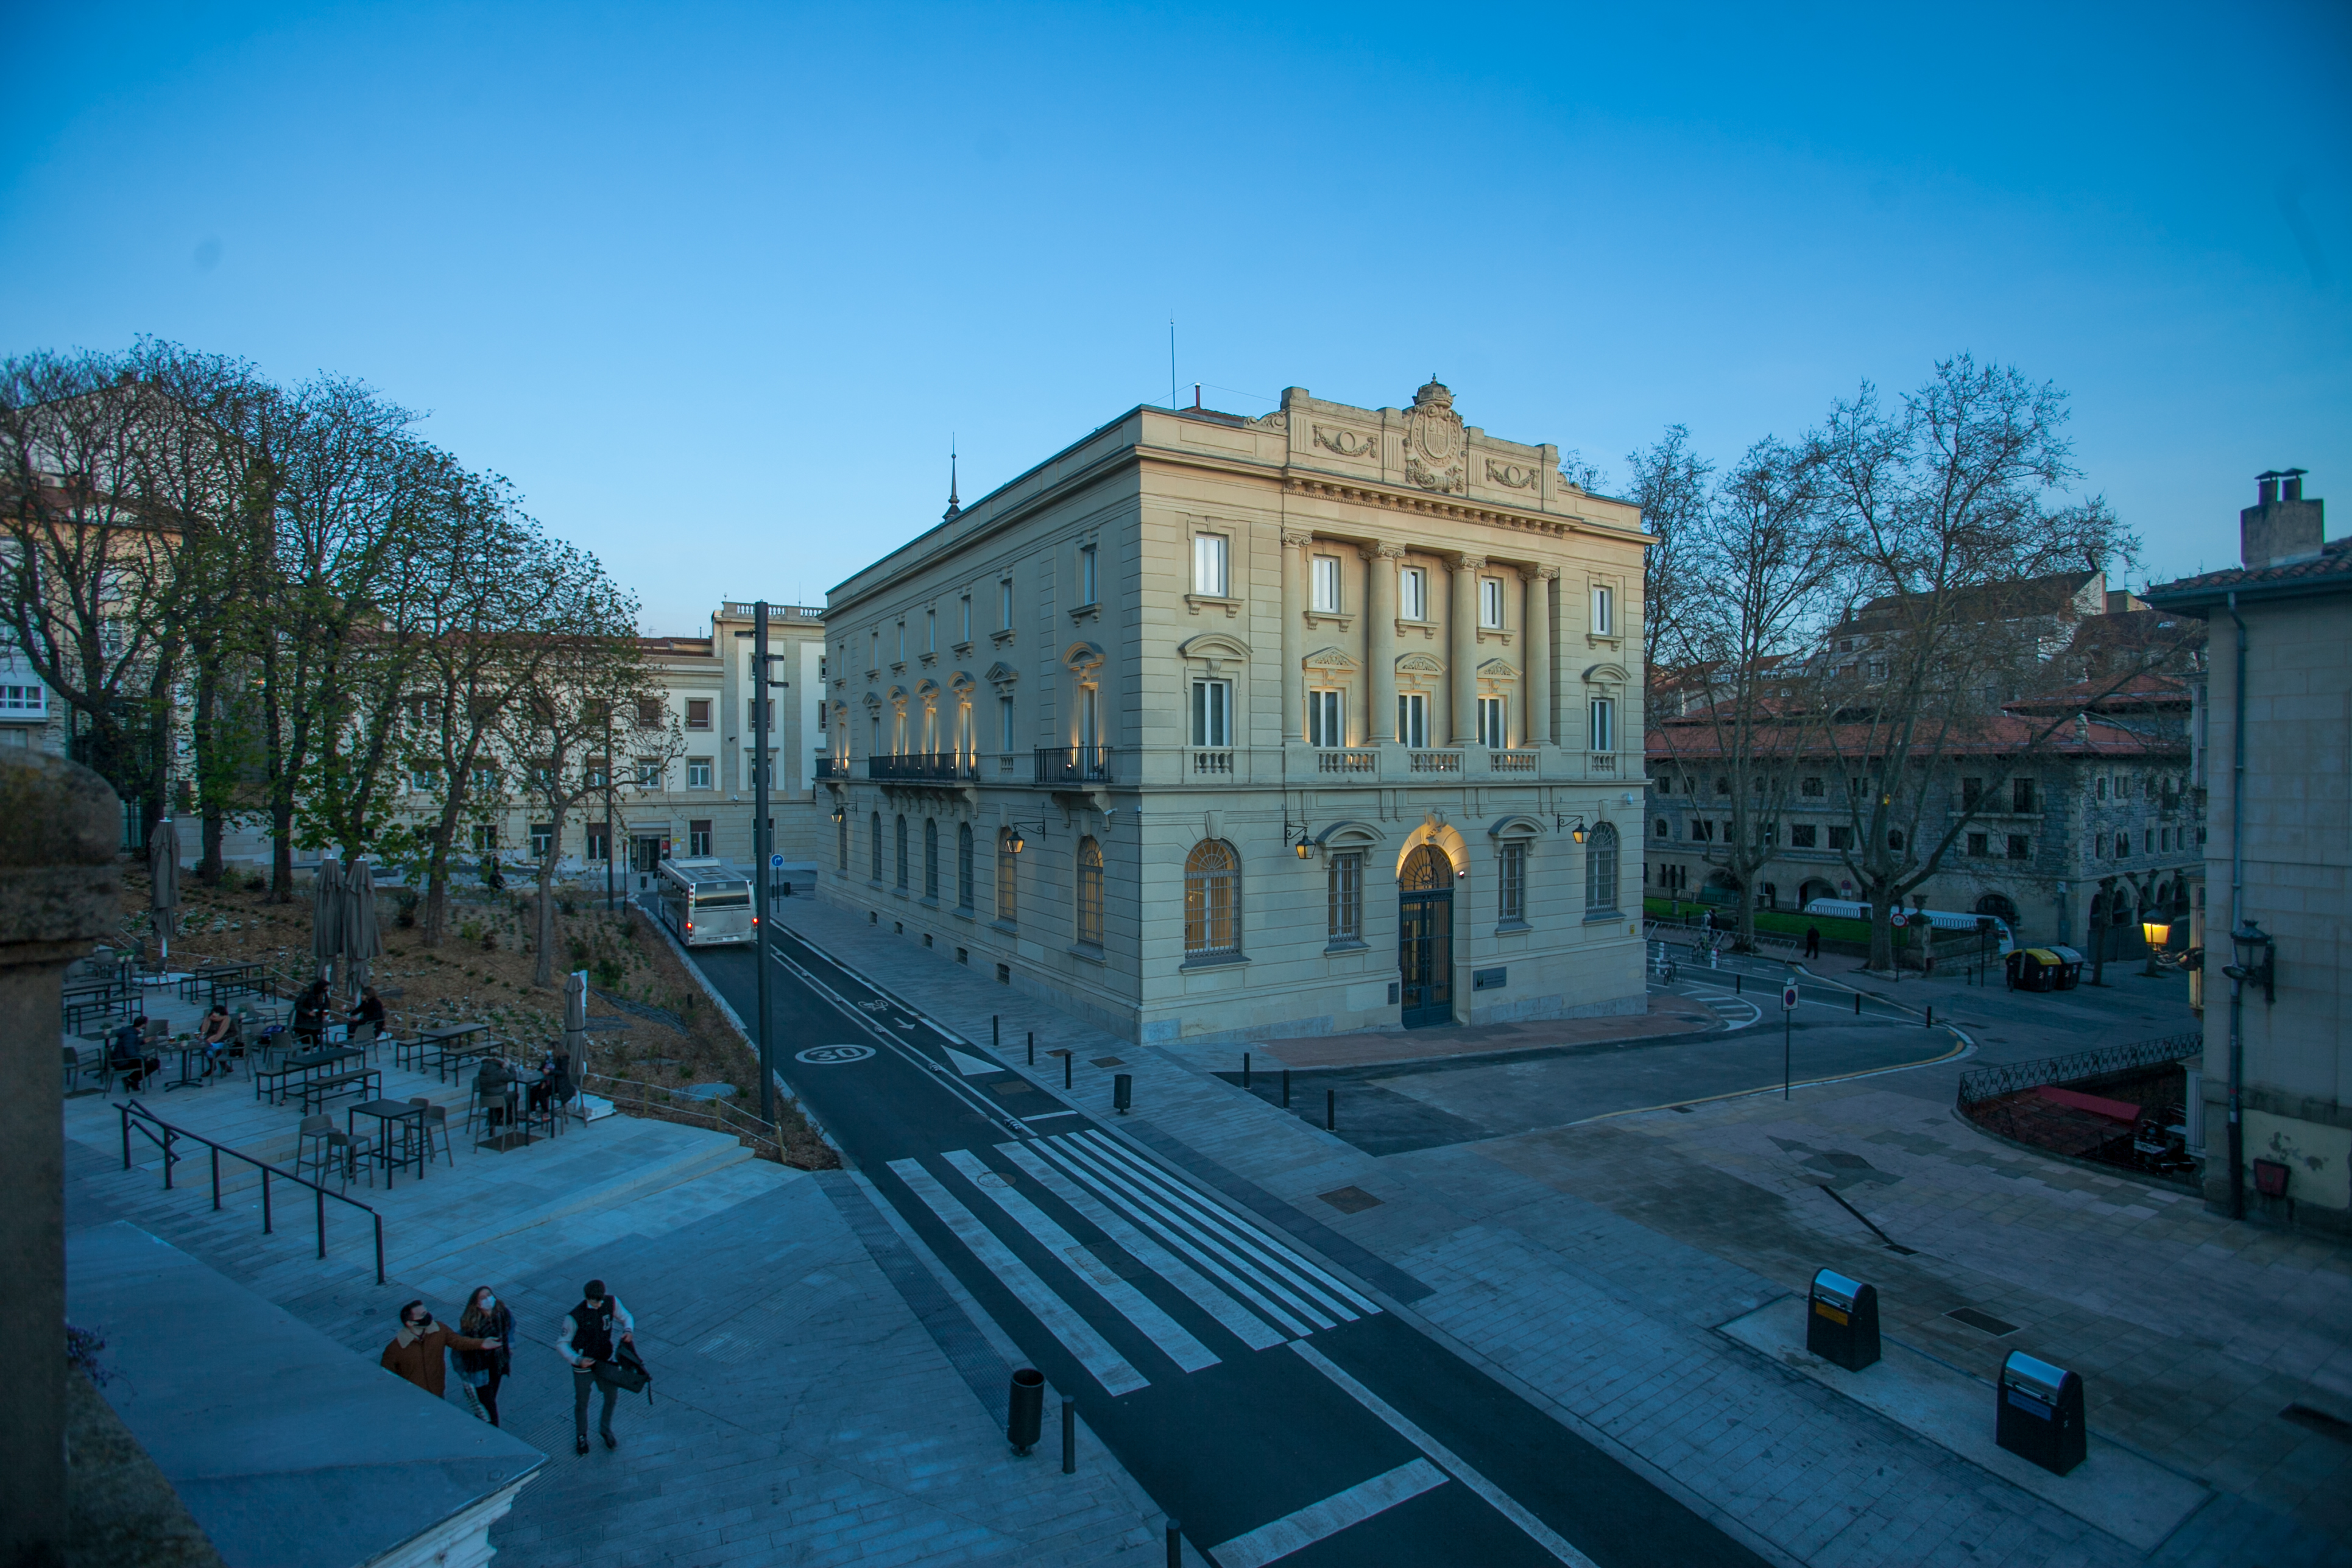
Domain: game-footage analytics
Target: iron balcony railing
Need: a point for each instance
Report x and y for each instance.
(832, 768)
(1073, 764)
(915, 767)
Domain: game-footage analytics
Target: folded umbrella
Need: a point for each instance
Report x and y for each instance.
(164, 884)
(326, 913)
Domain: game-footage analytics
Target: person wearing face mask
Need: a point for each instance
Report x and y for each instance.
(486, 1318)
(419, 1351)
(594, 1332)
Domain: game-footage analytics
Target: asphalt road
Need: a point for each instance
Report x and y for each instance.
(1275, 1409)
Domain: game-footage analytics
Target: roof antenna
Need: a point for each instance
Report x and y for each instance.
(1171, 361)
(954, 507)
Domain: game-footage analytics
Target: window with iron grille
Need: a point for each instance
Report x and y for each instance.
(1090, 893)
(1600, 869)
(963, 864)
(1511, 882)
(876, 822)
(931, 858)
(900, 834)
(1008, 879)
(1211, 882)
(1343, 880)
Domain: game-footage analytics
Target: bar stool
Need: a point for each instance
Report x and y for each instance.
(436, 1119)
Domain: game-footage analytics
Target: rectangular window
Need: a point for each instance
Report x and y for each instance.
(1413, 719)
(1087, 583)
(424, 779)
(486, 780)
(967, 619)
(1703, 829)
(931, 631)
(1511, 883)
(1803, 836)
(2020, 794)
(1604, 723)
(1413, 594)
(1980, 846)
(649, 773)
(1344, 894)
(697, 712)
(1811, 787)
(1209, 574)
(1327, 716)
(1213, 712)
(874, 734)
(751, 713)
(596, 848)
(1326, 583)
(698, 772)
(2147, 840)
(1493, 730)
(1972, 793)
(599, 772)
(1004, 723)
(485, 838)
(902, 642)
(1604, 612)
(2019, 847)
(1490, 602)
(542, 837)
(1841, 838)
(649, 714)
(1004, 605)
(698, 836)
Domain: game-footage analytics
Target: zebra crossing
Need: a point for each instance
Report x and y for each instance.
(1253, 1287)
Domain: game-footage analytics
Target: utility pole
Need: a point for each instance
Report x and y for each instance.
(608, 809)
(762, 846)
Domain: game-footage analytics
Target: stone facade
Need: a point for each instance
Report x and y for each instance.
(1083, 729)
(2281, 688)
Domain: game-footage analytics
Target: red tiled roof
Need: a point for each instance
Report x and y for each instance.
(2330, 567)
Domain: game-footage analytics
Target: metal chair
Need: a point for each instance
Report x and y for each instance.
(363, 1037)
(436, 1119)
(72, 1069)
(322, 1143)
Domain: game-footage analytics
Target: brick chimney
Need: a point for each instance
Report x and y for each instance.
(2280, 526)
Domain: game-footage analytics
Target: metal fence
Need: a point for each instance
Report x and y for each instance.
(1981, 1084)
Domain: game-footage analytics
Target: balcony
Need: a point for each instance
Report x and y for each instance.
(921, 767)
(1218, 763)
(831, 768)
(1073, 764)
(1601, 764)
(1347, 760)
(1434, 762)
(1514, 762)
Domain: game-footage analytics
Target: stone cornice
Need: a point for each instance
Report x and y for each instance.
(1450, 509)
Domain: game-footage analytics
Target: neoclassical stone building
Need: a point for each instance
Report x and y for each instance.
(1216, 728)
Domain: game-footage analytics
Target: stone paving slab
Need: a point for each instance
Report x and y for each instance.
(1592, 1267)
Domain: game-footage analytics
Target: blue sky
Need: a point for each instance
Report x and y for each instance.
(715, 285)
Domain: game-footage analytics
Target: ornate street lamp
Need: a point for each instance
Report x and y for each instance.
(2155, 932)
(1571, 825)
(2257, 960)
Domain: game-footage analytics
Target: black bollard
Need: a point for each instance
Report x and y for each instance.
(1285, 1089)
(1032, 1047)
(1122, 1091)
(1069, 1437)
(1175, 1544)
(1735, 985)
(1025, 1409)
(1065, 1069)
(1244, 1069)
(1857, 1003)
(1931, 1017)
(995, 1034)
(1330, 1110)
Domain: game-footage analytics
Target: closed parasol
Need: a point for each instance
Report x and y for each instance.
(164, 884)
(326, 913)
(361, 938)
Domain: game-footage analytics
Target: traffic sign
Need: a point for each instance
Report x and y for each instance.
(1788, 995)
(1898, 920)
(776, 862)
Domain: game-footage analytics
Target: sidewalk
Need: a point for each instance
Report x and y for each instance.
(1595, 1267)
(823, 1392)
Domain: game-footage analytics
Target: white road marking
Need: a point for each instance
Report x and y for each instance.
(1133, 1305)
(1051, 1115)
(1245, 1326)
(1501, 1501)
(1061, 1319)
(970, 1065)
(1320, 1521)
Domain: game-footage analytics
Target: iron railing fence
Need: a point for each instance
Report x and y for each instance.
(1981, 1084)
(152, 1124)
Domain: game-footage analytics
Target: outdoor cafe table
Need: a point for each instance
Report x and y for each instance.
(191, 1050)
(439, 1041)
(306, 1063)
(411, 1119)
(223, 979)
(516, 1134)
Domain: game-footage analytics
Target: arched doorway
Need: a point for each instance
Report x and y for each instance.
(1425, 937)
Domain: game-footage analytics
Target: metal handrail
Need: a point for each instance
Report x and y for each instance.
(130, 1108)
(1981, 1084)
(724, 1117)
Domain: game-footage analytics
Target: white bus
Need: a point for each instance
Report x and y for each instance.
(704, 903)
(1941, 920)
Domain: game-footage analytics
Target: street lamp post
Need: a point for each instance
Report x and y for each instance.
(2154, 932)
(2254, 951)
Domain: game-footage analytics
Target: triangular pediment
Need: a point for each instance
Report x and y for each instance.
(1328, 658)
(1419, 664)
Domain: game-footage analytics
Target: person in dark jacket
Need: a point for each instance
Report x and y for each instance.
(594, 1331)
(368, 1009)
(127, 1054)
(1812, 941)
(419, 1351)
(310, 1014)
(487, 1318)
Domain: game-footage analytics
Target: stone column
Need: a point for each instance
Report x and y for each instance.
(1295, 567)
(1461, 644)
(60, 825)
(1536, 681)
(1380, 641)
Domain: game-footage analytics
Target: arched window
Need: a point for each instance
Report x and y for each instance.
(1427, 870)
(1090, 893)
(931, 859)
(1600, 869)
(901, 836)
(842, 826)
(1211, 899)
(877, 821)
(963, 864)
(1008, 882)
(1998, 906)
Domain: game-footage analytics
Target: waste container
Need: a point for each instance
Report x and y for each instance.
(2039, 1413)
(1841, 1321)
(1025, 1410)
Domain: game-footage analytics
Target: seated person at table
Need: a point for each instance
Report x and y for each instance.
(555, 1079)
(218, 1037)
(493, 1083)
(368, 1009)
(310, 1014)
(127, 1054)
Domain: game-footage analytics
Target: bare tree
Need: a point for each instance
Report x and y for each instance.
(1951, 506)
(1670, 487)
(1762, 559)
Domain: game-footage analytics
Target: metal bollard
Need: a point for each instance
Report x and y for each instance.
(1069, 1437)
(1245, 1079)
(1285, 1089)
(1736, 980)
(1330, 1110)
(1066, 1068)
(995, 1034)
(1857, 1003)
(1122, 1091)
(1032, 1047)
(1025, 1409)
(1175, 1544)
(1931, 1017)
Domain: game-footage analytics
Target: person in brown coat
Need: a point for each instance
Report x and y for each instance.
(418, 1352)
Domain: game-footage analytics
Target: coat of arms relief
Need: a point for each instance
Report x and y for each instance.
(1433, 440)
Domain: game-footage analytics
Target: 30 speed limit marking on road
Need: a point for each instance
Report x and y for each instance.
(830, 1055)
